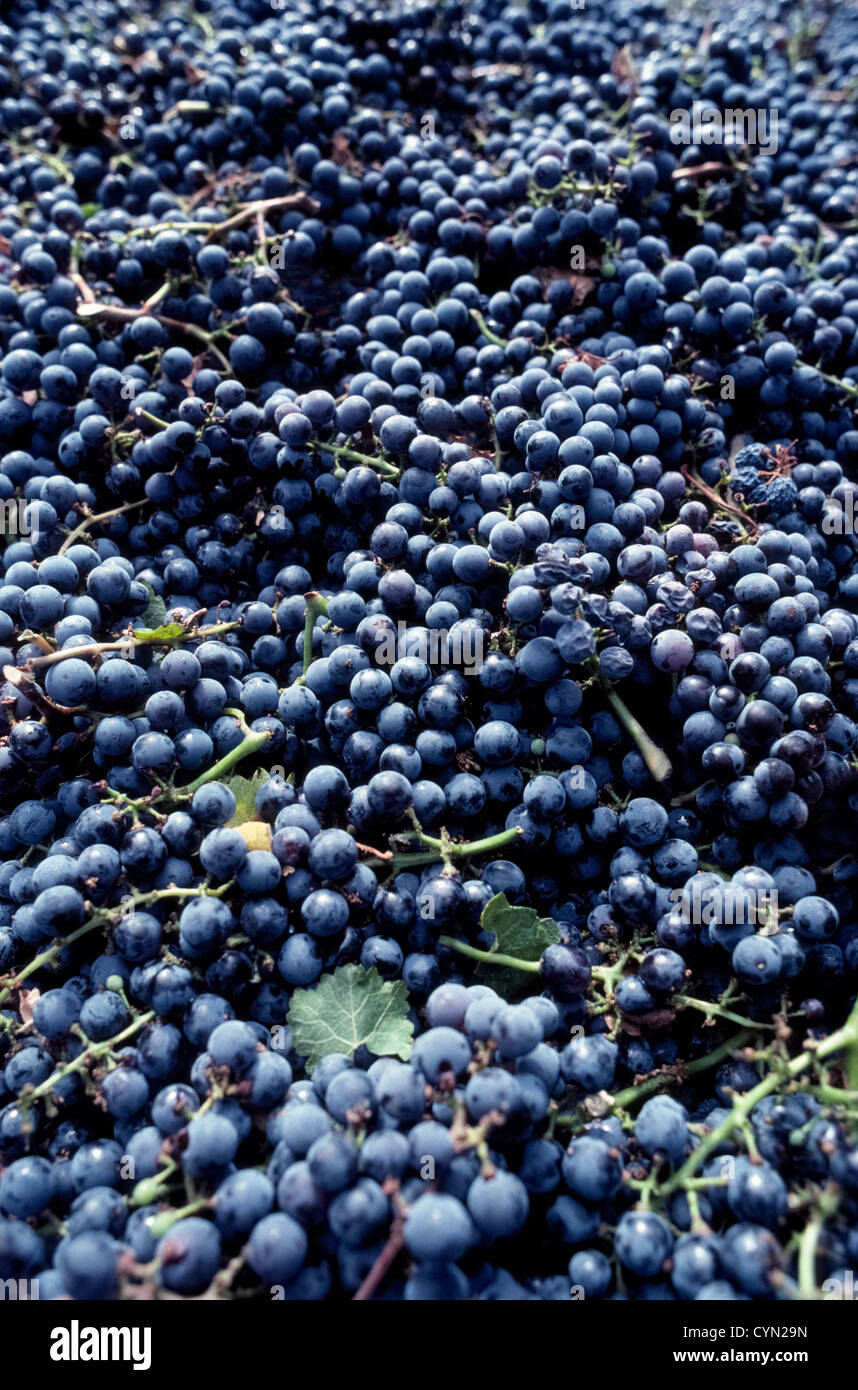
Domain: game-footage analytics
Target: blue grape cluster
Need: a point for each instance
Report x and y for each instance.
(429, 646)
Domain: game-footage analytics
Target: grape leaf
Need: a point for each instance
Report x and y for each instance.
(518, 932)
(156, 610)
(349, 1008)
(244, 790)
(166, 633)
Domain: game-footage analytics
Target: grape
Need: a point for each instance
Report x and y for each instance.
(55, 1012)
(300, 961)
(814, 918)
(696, 1264)
(661, 1128)
(757, 959)
(672, 650)
(223, 853)
(99, 1209)
(189, 1254)
(591, 1169)
(752, 1255)
(496, 742)
(350, 1094)
(430, 697)
(300, 1124)
(357, 1215)
(492, 1089)
(499, 1204)
(71, 682)
(126, 1092)
(173, 1106)
(591, 1271)
(214, 804)
(438, 1229)
(442, 1050)
(516, 1030)
(384, 1155)
(333, 855)
(212, 1142)
(643, 1242)
(87, 1265)
(300, 1196)
(589, 1062)
(571, 1221)
(565, 971)
(325, 913)
(277, 1248)
(26, 1187)
(402, 1092)
(270, 1077)
(96, 1164)
(332, 1162)
(757, 1193)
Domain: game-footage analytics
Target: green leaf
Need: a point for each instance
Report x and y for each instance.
(90, 209)
(156, 610)
(518, 932)
(349, 1008)
(168, 632)
(244, 790)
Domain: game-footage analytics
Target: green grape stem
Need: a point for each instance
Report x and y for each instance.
(446, 850)
(743, 1105)
(655, 758)
(651, 1085)
(191, 634)
(316, 607)
(101, 917)
(530, 967)
(92, 1053)
(389, 470)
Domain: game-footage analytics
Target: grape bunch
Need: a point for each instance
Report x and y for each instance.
(429, 647)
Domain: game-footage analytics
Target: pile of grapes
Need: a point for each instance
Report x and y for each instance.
(429, 623)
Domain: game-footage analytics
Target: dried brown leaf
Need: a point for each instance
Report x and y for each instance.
(27, 1000)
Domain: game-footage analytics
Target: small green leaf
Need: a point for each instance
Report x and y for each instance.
(350, 1008)
(518, 932)
(168, 632)
(244, 790)
(90, 209)
(156, 610)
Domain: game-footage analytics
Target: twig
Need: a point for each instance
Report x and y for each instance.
(383, 1262)
(298, 202)
(95, 518)
(115, 313)
(720, 502)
